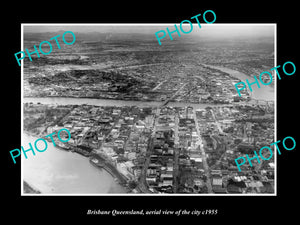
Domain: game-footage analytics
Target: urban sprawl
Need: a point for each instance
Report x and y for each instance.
(172, 122)
(167, 149)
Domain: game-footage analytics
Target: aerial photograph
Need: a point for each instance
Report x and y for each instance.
(144, 118)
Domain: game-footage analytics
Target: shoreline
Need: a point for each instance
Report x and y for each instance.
(268, 92)
(103, 164)
(112, 170)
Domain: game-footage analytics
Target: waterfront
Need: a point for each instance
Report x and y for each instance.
(132, 107)
(266, 93)
(54, 171)
(262, 93)
(105, 102)
(57, 171)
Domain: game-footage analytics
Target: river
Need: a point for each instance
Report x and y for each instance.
(263, 93)
(105, 102)
(57, 171)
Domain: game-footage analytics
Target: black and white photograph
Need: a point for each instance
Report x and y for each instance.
(146, 118)
(149, 112)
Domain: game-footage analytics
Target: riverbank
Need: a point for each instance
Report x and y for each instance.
(87, 153)
(114, 103)
(266, 93)
(54, 171)
(102, 163)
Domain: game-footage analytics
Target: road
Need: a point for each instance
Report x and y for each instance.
(216, 122)
(169, 99)
(157, 86)
(142, 184)
(204, 160)
(132, 67)
(176, 155)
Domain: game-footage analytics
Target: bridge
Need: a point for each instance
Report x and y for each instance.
(164, 103)
(262, 102)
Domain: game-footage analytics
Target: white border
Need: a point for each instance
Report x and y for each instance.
(275, 108)
(153, 24)
(22, 90)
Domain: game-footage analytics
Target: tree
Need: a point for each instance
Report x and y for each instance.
(132, 184)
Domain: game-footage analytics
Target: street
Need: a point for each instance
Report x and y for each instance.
(205, 165)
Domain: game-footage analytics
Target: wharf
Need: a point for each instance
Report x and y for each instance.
(100, 162)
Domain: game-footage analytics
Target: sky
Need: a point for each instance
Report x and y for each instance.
(226, 30)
